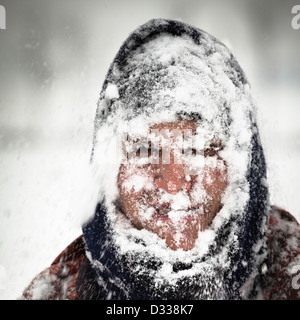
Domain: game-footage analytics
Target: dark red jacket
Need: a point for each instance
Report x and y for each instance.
(282, 278)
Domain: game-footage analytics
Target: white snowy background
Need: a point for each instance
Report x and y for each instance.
(53, 59)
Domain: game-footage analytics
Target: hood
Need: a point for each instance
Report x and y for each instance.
(164, 70)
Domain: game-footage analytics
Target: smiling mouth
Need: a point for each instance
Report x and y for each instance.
(164, 209)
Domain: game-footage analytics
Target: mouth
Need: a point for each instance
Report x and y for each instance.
(164, 211)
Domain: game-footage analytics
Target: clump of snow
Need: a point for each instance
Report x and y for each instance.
(137, 182)
(42, 288)
(111, 92)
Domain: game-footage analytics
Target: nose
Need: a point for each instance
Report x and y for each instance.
(172, 178)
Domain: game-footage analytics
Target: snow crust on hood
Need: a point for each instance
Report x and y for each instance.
(158, 76)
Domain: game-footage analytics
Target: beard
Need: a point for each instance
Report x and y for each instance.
(156, 272)
(176, 218)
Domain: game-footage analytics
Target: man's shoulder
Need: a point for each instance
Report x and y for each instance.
(75, 251)
(278, 216)
(284, 255)
(58, 282)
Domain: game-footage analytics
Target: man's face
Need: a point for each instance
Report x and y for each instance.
(165, 198)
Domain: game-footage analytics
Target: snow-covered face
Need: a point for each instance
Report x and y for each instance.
(163, 197)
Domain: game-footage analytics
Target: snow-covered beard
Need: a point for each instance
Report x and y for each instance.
(162, 79)
(142, 275)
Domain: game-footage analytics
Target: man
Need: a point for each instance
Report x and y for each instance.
(182, 197)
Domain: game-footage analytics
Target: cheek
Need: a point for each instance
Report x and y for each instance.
(215, 178)
(132, 183)
(133, 180)
(127, 189)
(128, 200)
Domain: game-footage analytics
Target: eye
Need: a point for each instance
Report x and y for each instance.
(142, 151)
(189, 151)
(213, 149)
(210, 152)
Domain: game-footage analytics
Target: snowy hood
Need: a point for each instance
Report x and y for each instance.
(167, 69)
